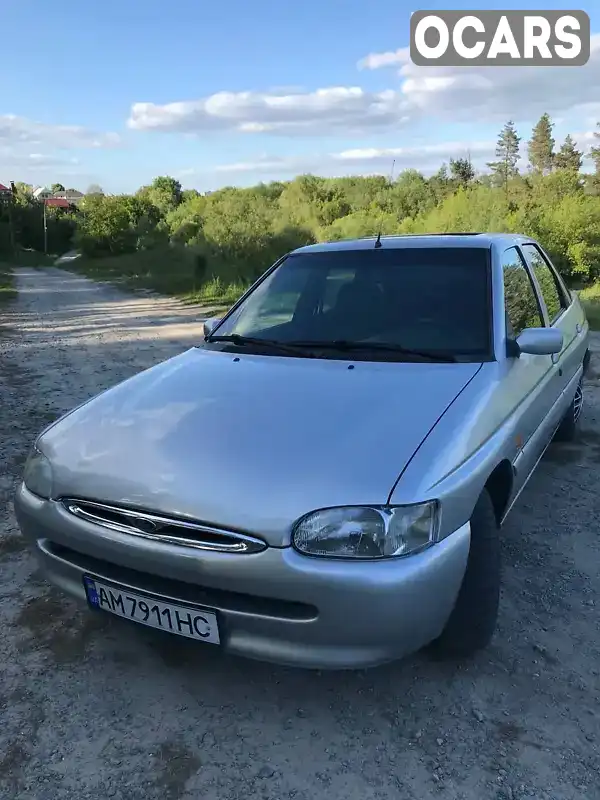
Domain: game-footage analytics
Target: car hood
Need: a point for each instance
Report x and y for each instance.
(250, 443)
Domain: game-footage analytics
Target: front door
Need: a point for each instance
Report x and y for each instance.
(528, 377)
(560, 313)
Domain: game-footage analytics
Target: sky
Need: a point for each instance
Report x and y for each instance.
(236, 92)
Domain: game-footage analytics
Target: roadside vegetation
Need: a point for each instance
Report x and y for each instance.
(7, 290)
(32, 258)
(590, 298)
(210, 247)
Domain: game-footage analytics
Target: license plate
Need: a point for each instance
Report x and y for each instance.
(190, 621)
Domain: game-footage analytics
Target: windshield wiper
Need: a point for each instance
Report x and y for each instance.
(343, 345)
(241, 341)
(348, 345)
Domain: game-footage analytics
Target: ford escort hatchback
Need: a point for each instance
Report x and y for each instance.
(321, 481)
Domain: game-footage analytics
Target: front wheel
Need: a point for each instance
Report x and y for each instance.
(472, 622)
(568, 427)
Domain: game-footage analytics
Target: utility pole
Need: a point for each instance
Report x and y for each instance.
(45, 230)
(11, 220)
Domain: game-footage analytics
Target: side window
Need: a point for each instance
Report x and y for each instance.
(550, 288)
(520, 299)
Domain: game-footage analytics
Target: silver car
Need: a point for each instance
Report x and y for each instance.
(321, 481)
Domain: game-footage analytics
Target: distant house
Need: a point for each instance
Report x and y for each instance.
(5, 193)
(58, 202)
(42, 193)
(72, 196)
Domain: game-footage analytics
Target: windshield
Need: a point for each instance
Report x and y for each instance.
(426, 299)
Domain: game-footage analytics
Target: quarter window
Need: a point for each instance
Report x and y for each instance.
(520, 299)
(549, 286)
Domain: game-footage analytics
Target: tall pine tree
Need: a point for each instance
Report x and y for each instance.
(541, 146)
(507, 153)
(568, 157)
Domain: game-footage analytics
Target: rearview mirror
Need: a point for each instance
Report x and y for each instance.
(540, 341)
(210, 325)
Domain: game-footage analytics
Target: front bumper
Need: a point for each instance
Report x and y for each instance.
(277, 605)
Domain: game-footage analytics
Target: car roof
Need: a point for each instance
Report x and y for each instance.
(496, 240)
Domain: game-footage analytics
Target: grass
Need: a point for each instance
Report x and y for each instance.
(31, 258)
(216, 291)
(7, 289)
(590, 297)
(168, 270)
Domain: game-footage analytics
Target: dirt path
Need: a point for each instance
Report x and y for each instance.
(91, 710)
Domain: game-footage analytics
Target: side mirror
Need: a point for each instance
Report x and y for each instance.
(210, 325)
(540, 341)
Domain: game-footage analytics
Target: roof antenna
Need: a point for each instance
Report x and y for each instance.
(378, 240)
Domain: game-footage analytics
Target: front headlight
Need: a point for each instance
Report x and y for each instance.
(37, 475)
(367, 531)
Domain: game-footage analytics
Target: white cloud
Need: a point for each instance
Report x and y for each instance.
(465, 94)
(440, 151)
(359, 161)
(37, 152)
(492, 94)
(378, 60)
(584, 141)
(265, 163)
(340, 109)
(42, 168)
(22, 131)
(15, 160)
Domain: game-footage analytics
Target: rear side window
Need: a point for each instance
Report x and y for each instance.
(520, 299)
(548, 283)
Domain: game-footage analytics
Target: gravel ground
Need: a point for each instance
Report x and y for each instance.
(109, 710)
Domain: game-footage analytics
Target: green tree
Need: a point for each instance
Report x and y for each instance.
(440, 184)
(360, 192)
(507, 153)
(117, 224)
(24, 190)
(189, 194)
(410, 195)
(362, 223)
(185, 221)
(568, 157)
(311, 202)
(461, 171)
(57, 187)
(477, 209)
(164, 192)
(541, 146)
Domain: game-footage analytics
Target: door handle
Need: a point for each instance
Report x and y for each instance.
(555, 358)
(579, 328)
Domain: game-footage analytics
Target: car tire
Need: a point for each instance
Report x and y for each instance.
(472, 623)
(567, 429)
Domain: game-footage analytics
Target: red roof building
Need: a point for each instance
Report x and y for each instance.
(57, 202)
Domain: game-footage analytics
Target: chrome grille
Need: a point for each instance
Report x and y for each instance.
(158, 528)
